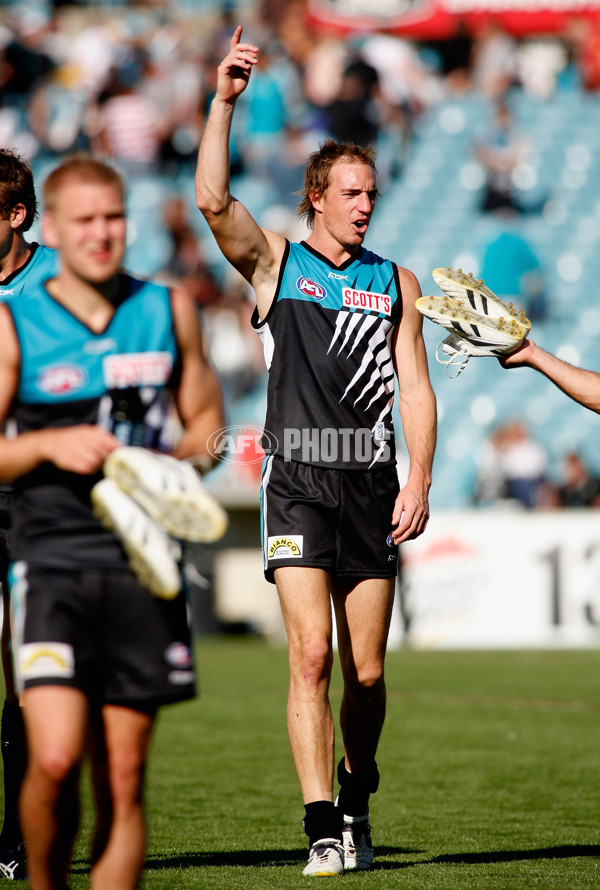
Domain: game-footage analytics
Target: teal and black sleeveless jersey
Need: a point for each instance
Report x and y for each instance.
(41, 265)
(121, 379)
(327, 340)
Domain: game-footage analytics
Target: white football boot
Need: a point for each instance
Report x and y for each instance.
(498, 335)
(326, 859)
(358, 847)
(170, 490)
(151, 554)
(473, 294)
(472, 333)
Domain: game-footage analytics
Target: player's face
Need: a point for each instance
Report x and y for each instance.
(346, 207)
(87, 224)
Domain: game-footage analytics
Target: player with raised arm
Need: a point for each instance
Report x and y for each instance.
(94, 362)
(336, 321)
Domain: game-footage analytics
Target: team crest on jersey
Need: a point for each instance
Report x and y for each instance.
(136, 369)
(285, 546)
(62, 379)
(311, 288)
(367, 301)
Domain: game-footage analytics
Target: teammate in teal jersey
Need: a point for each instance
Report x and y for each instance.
(92, 645)
(336, 321)
(21, 262)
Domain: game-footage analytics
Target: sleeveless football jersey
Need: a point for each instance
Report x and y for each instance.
(121, 378)
(41, 265)
(327, 340)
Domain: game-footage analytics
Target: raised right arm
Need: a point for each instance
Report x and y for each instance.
(255, 252)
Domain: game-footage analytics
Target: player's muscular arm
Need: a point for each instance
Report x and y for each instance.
(198, 396)
(81, 449)
(254, 252)
(418, 414)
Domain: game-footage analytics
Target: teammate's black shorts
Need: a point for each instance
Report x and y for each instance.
(102, 633)
(337, 520)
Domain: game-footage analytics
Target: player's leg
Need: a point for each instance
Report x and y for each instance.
(304, 595)
(56, 721)
(12, 736)
(146, 662)
(119, 761)
(363, 612)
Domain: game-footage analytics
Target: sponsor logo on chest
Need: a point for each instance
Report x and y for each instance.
(137, 369)
(367, 301)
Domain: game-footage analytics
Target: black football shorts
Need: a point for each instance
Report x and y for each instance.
(102, 633)
(337, 520)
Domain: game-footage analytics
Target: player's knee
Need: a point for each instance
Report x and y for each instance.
(313, 663)
(52, 767)
(369, 675)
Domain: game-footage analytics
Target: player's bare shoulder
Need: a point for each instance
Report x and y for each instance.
(410, 290)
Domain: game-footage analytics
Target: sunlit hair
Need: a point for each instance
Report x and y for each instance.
(320, 162)
(82, 168)
(16, 187)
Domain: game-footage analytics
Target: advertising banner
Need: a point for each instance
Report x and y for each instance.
(504, 579)
(439, 19)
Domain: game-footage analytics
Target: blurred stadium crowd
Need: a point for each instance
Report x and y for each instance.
(487, 147)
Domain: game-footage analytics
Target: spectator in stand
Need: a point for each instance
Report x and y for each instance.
(580, 488)
(187, 265)
(513, 468)
(494, 61)
(353, 115)
(25, 61)
(455, 56)
(265, 114)
(499, 152)
(57, 111)
(130, 128)
(512, 268)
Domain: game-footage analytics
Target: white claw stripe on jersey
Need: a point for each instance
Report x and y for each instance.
(376, 370)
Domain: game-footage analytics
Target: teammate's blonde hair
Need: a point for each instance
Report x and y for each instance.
(79, 167)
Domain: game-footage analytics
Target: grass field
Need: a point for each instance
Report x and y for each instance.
(489, 765)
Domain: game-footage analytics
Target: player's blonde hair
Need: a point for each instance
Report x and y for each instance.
(320, 162)
(80, 167)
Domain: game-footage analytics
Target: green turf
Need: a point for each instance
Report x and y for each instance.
(489, 765)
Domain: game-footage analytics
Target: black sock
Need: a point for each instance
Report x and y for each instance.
(322, 819)
(355, 789)
(14, 761)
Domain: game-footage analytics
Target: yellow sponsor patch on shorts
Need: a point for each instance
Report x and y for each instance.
(285, 546)
(36, 660)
